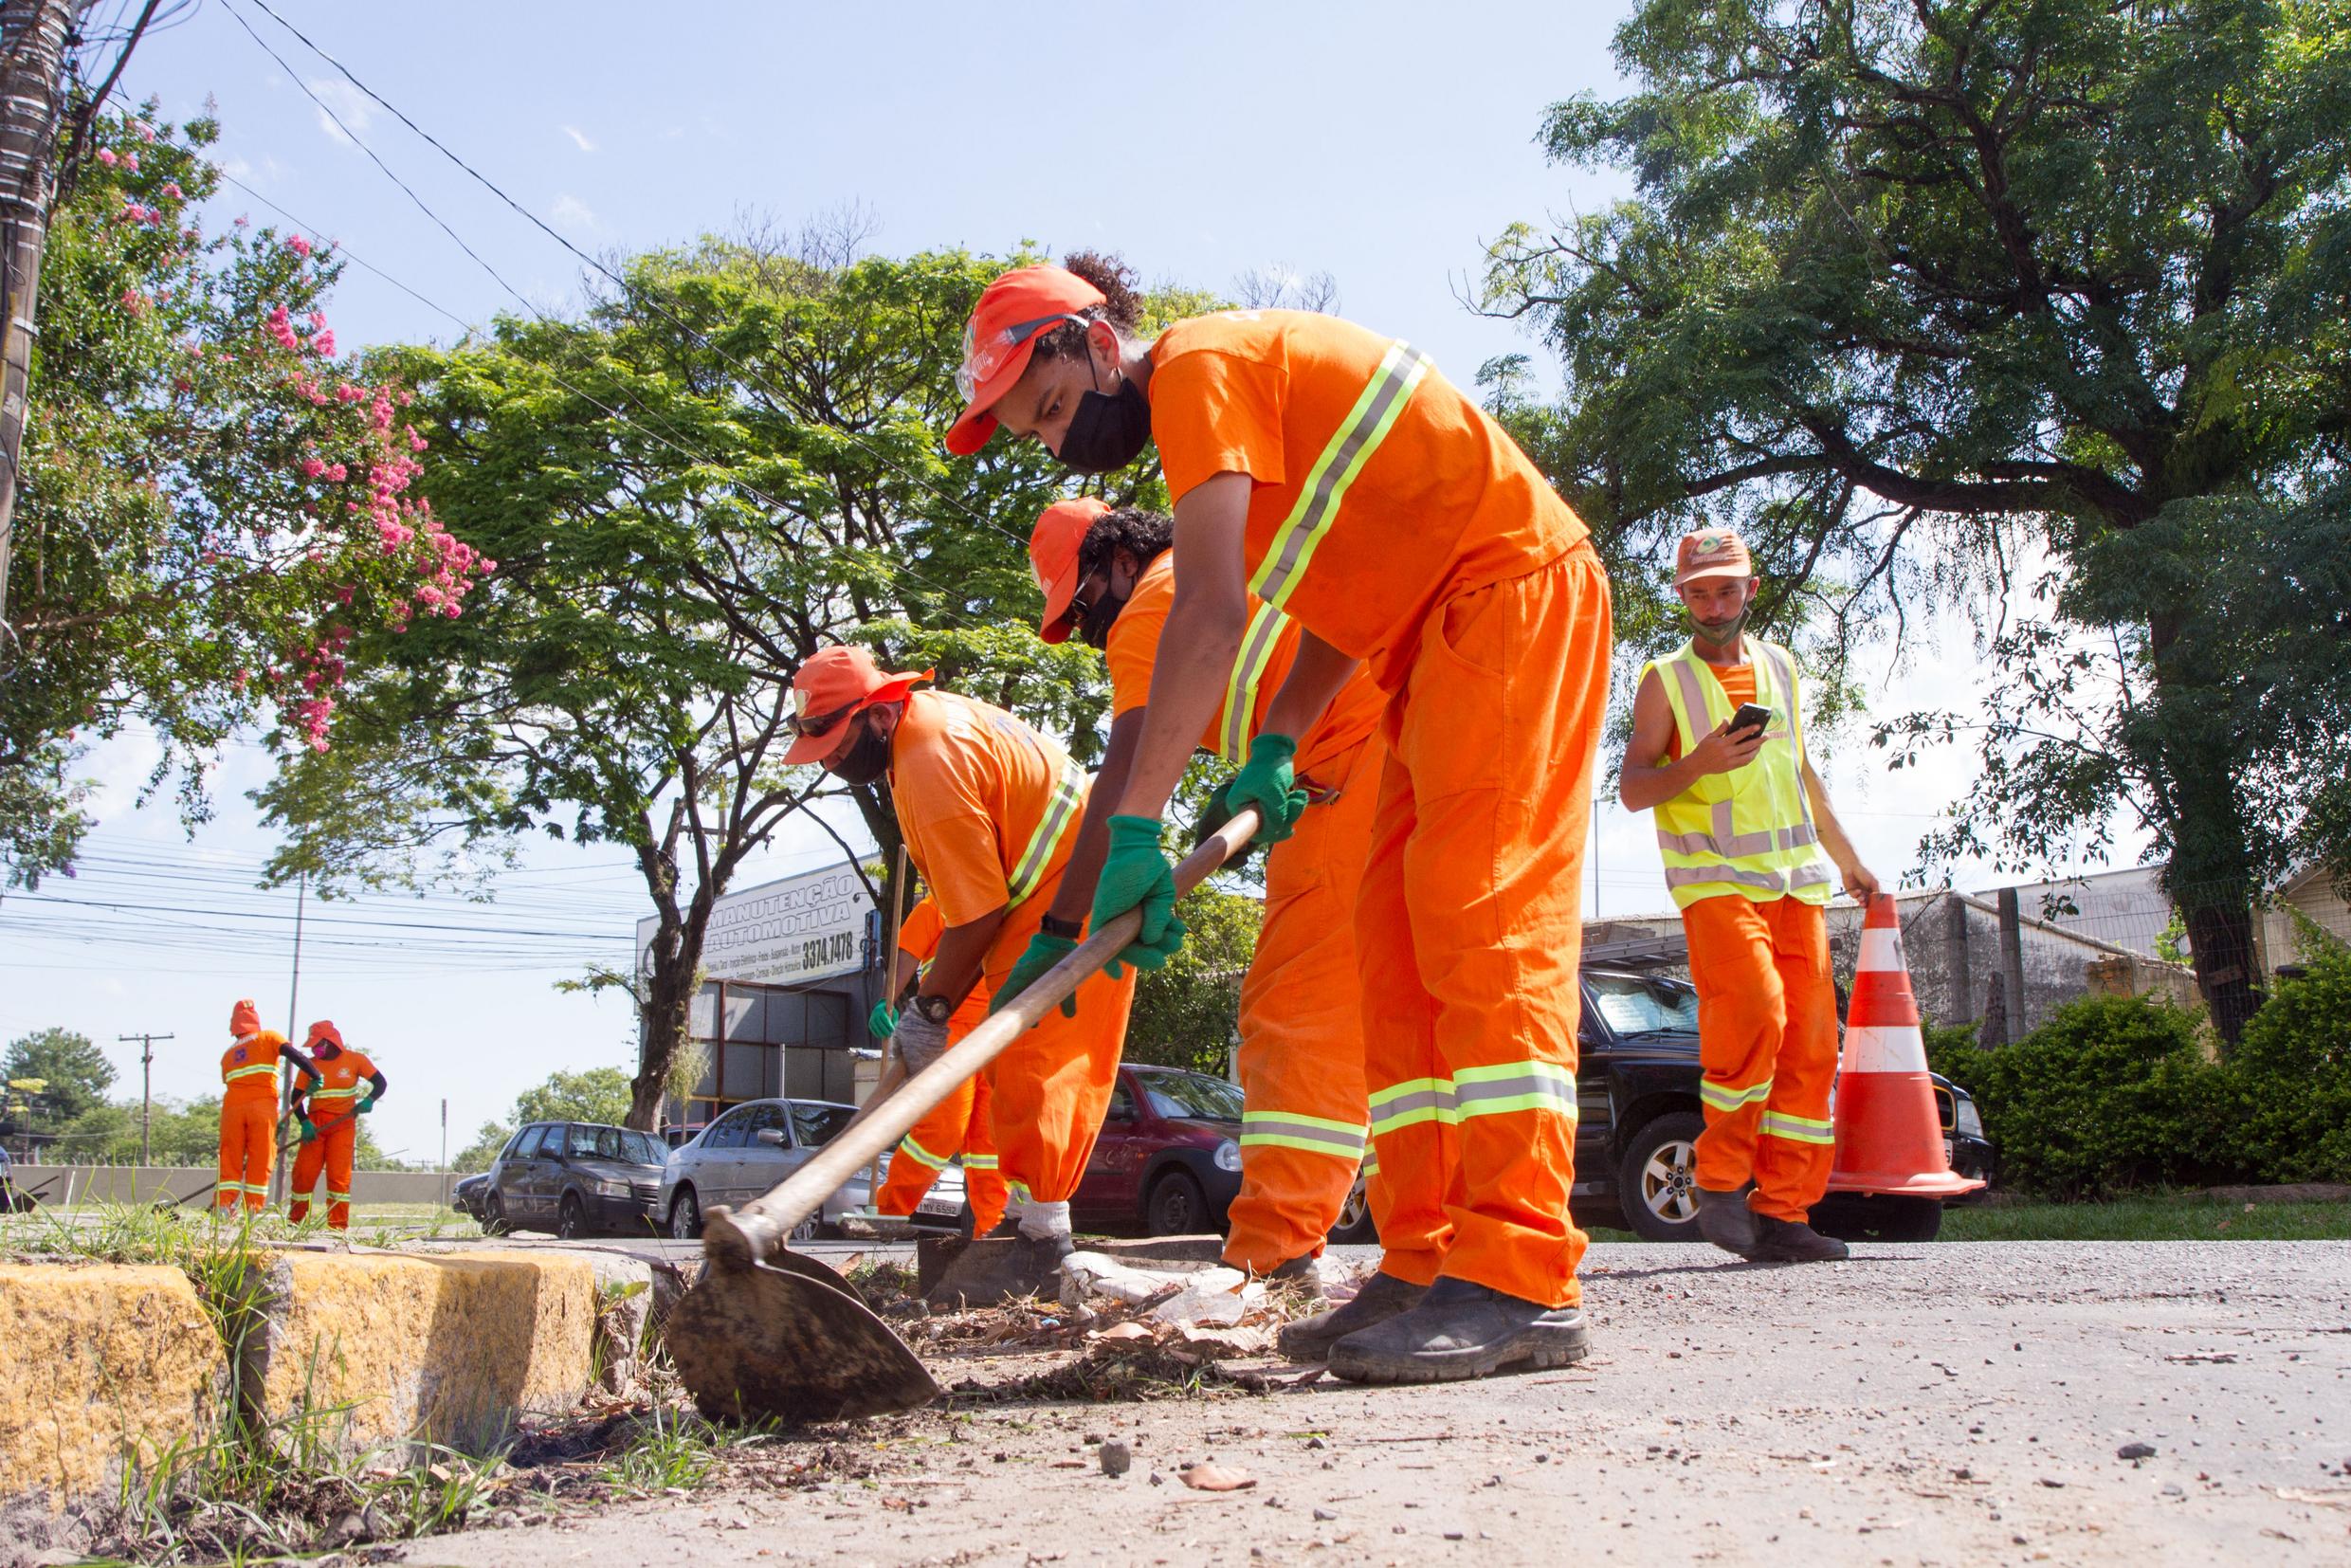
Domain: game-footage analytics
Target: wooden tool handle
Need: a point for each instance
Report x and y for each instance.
(745, 1235)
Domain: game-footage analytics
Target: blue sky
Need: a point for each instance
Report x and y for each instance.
(1378, 142)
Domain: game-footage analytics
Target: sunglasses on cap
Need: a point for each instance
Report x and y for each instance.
(815, 724)
(980, 361)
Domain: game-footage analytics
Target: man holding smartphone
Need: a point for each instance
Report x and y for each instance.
(1717, 750)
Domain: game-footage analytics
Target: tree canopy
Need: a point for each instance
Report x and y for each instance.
(74, 1074)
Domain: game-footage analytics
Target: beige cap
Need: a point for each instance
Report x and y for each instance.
(1711, 553)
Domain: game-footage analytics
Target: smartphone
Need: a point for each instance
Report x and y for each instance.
(1750, 716)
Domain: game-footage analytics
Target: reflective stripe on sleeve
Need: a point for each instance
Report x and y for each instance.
(1326, 483)
(1029, 870)
(1249, 668)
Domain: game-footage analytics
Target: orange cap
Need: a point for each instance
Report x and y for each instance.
(324, 1031)
(1054, 556)
(834, 684)
(1711, 553)
(1002, 334)
(244, 1019)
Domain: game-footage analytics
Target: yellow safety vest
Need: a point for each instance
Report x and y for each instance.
(1748, 832)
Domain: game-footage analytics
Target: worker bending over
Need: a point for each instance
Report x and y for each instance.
(1742, 821)
(1110, 577)
(958, 1124)
(249, 1117)
(988, 808)
(1331, 472)
(347, 1088)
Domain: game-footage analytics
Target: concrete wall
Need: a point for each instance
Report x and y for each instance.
(146, 1183)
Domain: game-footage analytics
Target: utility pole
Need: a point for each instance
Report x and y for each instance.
(32, 61)
(293, 1032)
(146, 1084)
(444, 1151)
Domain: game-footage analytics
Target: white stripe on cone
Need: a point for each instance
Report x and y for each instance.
(1881, 948)
(1884, 1047)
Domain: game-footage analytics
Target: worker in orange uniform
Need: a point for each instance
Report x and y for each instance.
(1110, 577)
(988, 808)
(1331, 472)
(1742, 821)
(328, 1114)
(958, 1124)
(248, 1124)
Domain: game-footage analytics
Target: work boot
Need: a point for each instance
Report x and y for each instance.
(995, 1269)
(1382, 1297)
(1725, 1219)
(1462, 1330)
(1792, 1241)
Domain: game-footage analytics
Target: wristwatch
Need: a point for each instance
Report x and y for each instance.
(935, 1009)
(1067, 930)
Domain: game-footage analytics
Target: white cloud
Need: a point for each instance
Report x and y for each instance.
(570, 212)
(350, 105)
(579, 138)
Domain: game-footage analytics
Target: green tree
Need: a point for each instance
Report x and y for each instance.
(1187, 1013)
(212, 505)
(731, 463)
(2036, 302)
(75, 1073)
(593, 1094)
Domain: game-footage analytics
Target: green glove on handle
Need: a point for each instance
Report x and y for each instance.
(1136, 875)
(310, 1131)
(883, 1021)
(366, 1103)
(1269, 782)
(1215, 812)
(1044, 952)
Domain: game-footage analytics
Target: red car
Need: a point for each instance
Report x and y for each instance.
(1169, 1158)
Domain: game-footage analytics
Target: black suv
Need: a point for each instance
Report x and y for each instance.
(1638, 1122)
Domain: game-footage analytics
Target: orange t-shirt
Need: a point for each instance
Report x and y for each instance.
(1738, 683)
(339, 1080)
(918, 934)
(1134, 646)
(1381, 490)
(250, 1068)
(972, 786)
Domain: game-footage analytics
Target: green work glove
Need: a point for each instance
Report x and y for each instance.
(310, 1130)
(366, 1103)
(1043, 954)
(1269, 782)
(1215, 812)
(1136, 875)
(883, 1021)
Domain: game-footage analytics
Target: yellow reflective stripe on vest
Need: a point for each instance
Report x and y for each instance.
(1248, 668)
(1729, 1100)
(920, 1155)
(249, 1073)
(1760, 834)
(1314, 1135)
(1801, 1129)
(1029, 870)
(1326, 483)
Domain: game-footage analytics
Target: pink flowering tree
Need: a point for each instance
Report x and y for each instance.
(216, 503)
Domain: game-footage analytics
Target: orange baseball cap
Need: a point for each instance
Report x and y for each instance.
(1054, 556)
(1001, 337)
(324, 1031)
(831, 686)
(244, 1018)
(1711, 553)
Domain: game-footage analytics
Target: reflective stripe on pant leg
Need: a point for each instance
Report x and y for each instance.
(924, 1152)
(983, 1176)
(1504, 701)
(1740, 1016)
(1798, 1147)
(1301, 1062)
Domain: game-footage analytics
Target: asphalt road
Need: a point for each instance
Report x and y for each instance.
(1939, 1404)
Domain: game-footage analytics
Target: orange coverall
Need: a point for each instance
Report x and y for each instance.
(1304, 1116)
(1394, 520)
(248, 1123)
(989, 808)
(958, 1124)
(335, 1111)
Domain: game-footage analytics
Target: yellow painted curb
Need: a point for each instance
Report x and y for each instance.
(98, 1364)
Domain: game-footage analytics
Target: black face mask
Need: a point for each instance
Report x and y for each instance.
(1108, 430)
(863, 759)
(1094, 626)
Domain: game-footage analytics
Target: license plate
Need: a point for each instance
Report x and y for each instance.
(1946, 1151)
(938, 1207)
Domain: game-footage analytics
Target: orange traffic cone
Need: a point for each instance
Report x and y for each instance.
(1888, 1139)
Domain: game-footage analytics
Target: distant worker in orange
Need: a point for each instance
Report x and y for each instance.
(1110, 577)
(1332, 473)
(1718, 750)
(248, 1124)
(988, 810)
(347, 1087)
(958, 1125)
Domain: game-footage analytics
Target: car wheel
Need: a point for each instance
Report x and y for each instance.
(1657, 1181)
(571, 1219)
(811, 1228)
(1175, 1205)
(1354, 1226)
(1877, 1217)
(685, 1216)
(494, 1215)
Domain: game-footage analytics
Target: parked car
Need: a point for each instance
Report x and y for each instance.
(574, 1179)
(465, 1197)
(752, 1147)
(1168, 1159)
(1638, 1120)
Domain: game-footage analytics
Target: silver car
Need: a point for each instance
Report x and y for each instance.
(752, 1147)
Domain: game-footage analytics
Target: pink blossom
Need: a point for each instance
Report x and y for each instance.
(337, 472)
(106, 156)
(172, 190)
(312, 468)
(349, 394)
(146, 132)
(242, 220)
(134, 302)
(298, 245)
(130, 162)
(324, 343)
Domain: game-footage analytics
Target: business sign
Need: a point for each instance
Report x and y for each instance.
(808, 927)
